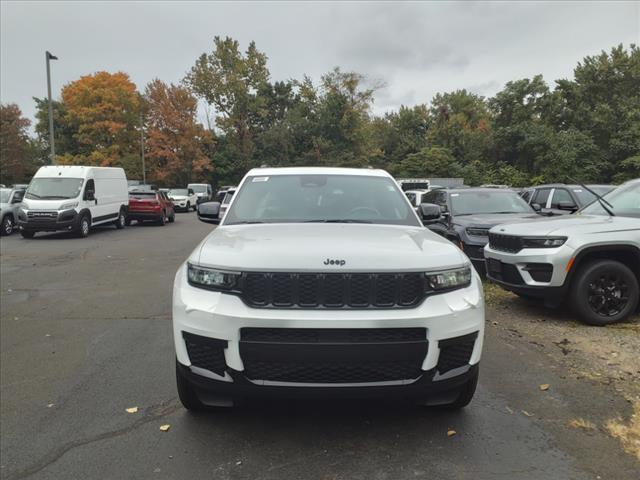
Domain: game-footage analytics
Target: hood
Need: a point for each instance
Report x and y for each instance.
(567, 225)
(488, 220)
(178, 197)
(306, 247)
(31, 204)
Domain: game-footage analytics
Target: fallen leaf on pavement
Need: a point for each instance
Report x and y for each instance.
(527, 413)
(582, 424)
(164, 428)
(510, 410)
(49, 405)
(132, 410)
(451, 433)
(544, 387)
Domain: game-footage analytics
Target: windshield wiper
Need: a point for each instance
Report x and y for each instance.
(54, 197)
(337, 220)
(246, 222)
(603, 203)
(31, 195)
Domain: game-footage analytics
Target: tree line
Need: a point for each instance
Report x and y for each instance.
(587, 128)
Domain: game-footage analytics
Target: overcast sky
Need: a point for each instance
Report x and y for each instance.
(416, 49)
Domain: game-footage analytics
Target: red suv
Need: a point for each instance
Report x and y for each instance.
(150, 205)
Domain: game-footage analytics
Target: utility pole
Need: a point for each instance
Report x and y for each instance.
(49, 57)
(144, 174)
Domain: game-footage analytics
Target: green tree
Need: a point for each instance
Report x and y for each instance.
(17, 163)
(229, 80)
(430, 162)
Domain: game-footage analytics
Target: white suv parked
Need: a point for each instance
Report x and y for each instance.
(591, 258)
(322, 282)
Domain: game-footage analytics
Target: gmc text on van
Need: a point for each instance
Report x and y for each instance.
(322, 282)
(73, 198)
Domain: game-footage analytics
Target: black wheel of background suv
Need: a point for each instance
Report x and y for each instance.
(162, 221)
(187, 394)
(7, 225)
(122, 220)
(27, 234)
(604, 292)
(127, 221)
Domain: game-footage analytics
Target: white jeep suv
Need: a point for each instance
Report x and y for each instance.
(324, 282)
(590, 259)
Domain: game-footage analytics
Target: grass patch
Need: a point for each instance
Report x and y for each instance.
(495, 295)
(627, 434)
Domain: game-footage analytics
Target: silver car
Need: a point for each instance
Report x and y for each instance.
(10, 200)
(590, 259)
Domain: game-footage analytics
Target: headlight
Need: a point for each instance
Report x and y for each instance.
(449, 279)
(210, 278)
(69, 205)
(543, 242)
(478, 232)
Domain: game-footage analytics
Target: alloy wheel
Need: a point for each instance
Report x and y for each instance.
(608, 294)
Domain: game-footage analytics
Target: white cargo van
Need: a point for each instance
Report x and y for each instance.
(73, 198)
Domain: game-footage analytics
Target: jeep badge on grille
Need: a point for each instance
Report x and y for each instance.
(330, 261)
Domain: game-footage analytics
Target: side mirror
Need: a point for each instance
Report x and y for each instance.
(90, 195)
(429, 212)
(190, 192)
(209, 212)
(536, 207)
(572, 207)
(17, 197)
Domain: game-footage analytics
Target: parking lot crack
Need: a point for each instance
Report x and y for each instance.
(153, 413)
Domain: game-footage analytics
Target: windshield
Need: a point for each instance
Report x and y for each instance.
(5, 193)
(178, 192)
(320, 198)
(469, 203)
(625, 201)
(586, 197)
(198, 188)
(54, 188)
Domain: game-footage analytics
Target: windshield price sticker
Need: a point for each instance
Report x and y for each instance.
(260, 179)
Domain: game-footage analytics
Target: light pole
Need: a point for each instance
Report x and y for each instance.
(49, 57)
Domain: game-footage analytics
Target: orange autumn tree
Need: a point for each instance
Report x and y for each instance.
(104, 111)
(175, 141)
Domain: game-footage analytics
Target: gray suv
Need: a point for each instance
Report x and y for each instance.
(10, 200)
(590, 259)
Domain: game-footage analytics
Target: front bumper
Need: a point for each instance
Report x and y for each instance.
(180, 204)
(452, 325)
(536, 272)
(50, 221)
(475, 252)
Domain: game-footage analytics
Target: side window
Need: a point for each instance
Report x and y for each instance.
(526, 195)
(561, 195)
(541, 196)
(429, 197)
(89, 190)
(411, 197)
(441, 199)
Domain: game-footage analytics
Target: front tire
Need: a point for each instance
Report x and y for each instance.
(162, 221)
(604, 292)
(6, 228)
(467, 392)
(172, 218)
(84, 226)
(186, 393)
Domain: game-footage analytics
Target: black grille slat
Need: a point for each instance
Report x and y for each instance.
(455, 352)
(333, 290)
(333, 355)
(205, 352)
(505, 243)
(330, 372)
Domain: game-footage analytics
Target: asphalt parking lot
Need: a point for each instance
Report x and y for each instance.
(85, 333)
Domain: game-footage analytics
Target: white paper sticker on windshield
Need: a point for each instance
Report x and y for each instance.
(260, 179)
(455, 194)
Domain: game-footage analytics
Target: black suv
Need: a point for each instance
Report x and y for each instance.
(561, 199)
(468, 214)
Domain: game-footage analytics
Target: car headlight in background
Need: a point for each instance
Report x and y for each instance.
(211, 278)
(449, 279)
(477, 232)
(69, 205)
(543, 242)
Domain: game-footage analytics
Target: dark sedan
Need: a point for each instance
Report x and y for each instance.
(468, 214)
